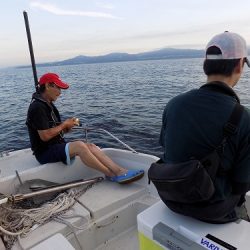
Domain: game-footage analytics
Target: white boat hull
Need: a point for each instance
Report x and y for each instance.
(107, 212)
(107, 209)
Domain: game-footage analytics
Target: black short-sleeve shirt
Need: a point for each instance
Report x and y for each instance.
(41, 116)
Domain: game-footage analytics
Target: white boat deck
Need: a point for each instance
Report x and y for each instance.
(124, 241)
(108, 210)
(108, 215)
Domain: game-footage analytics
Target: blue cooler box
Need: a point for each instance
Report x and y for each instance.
(159, 228)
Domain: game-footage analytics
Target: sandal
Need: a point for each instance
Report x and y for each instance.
(130, 176)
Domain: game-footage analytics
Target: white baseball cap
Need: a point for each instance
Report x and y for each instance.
(231, 45)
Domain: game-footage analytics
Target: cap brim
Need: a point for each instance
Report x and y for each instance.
(247, 62)
(61, 85)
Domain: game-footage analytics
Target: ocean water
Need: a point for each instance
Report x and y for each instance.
(125, 98)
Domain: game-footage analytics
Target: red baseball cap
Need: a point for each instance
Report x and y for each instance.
(53, 78)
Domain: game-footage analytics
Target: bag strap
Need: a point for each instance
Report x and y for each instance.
(213, 159)
(234, 120)
(231, 126)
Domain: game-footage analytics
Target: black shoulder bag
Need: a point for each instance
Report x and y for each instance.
(193, 181)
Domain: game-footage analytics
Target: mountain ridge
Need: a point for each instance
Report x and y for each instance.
(165, 53)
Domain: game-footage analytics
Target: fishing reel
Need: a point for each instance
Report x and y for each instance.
(77, 122)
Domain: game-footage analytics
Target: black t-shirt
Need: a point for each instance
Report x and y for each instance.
(193, 127)
(41, 116)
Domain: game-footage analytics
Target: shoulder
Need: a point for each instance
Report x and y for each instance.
(182, 98)
(37, 106)
(246, 112)
(177, 103)
(245, 120)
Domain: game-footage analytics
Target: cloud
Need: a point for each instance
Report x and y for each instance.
(57, 11)
(103, 5)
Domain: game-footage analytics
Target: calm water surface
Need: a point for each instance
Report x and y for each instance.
(126, 98)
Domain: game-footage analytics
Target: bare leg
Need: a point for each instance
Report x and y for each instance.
(105, 160)
(82, 150)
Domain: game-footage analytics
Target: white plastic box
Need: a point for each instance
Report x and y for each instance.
(159, 228)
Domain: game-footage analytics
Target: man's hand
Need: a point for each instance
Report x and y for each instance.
(69, 124)
(65, 126)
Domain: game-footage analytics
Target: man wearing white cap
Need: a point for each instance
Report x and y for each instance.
(46, 135)
(193, 127)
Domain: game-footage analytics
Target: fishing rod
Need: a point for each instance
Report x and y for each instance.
(32, 57)
(55, 188)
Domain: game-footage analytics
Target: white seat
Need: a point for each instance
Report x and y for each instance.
(159, 216)
(55, 242)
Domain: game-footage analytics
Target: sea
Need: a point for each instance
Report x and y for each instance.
(126, 99)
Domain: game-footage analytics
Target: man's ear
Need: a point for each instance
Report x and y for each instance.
(239, 66)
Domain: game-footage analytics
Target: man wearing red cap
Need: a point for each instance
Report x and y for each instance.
(46, 132)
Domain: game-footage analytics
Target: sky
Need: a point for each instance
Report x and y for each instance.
(62, 29)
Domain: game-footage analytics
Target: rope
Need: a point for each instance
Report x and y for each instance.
(17, 222)
(72, 229)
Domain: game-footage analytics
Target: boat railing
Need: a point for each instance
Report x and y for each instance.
(86, 130)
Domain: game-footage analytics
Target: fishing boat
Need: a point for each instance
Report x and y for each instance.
(108, 215)
(54, 206)
(103, 217)
(91, 213)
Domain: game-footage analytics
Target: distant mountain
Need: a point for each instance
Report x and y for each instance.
(167, 53)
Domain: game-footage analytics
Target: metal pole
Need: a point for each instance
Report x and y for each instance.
(105, 131)
(60, 187)
(26, 20)
(20, 197)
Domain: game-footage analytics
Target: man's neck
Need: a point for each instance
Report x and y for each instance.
(46, 98)
(230, 81)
